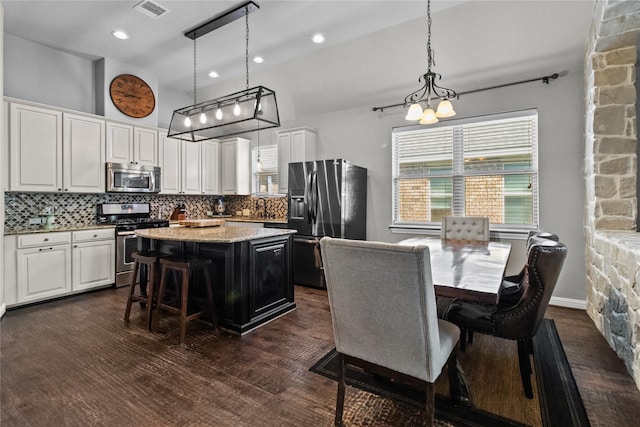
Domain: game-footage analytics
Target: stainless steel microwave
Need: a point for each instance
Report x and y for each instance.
(127, 178)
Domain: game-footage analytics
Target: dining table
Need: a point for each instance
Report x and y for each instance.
(466, 269)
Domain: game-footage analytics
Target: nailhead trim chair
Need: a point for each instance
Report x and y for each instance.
(383, 310)
(520, 322)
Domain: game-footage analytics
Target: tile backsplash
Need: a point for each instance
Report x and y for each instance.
(80, 209)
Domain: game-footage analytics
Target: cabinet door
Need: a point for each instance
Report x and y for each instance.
(284, 155)
(83, 154)
(145, 145)
(191, 167)
(119, 143)
(210, 167)
(270, 274)
(228, 166)
(35, 149)
(93, 264)
(43, 272)
(170, 165)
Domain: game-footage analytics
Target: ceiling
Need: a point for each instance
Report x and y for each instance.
(279, 32)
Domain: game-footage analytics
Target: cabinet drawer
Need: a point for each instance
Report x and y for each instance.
(91, 235)
(42, 239)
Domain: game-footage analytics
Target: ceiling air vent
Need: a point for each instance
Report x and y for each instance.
(151, 9)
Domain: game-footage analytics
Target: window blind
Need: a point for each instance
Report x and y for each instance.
(484, 166)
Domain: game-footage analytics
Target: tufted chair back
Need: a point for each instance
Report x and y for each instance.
(465, 228)
(544, 264)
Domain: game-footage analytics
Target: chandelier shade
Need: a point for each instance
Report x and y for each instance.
(258, 109)
(430, 90)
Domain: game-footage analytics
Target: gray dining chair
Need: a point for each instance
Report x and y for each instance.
(383, 309)
(475, 228)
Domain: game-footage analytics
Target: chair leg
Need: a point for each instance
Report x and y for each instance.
(454, 379)
(151, 288)
(341, 389)
(431, 404)
(132, 290)
(183, 305)
(160, 299)
(525, 368)
(463, 339)
(470, 337)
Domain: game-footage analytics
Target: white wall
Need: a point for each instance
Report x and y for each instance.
(37, 73)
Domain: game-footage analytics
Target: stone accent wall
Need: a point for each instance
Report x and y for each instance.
(612, 244)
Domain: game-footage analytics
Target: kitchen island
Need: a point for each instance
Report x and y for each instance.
(251, 271)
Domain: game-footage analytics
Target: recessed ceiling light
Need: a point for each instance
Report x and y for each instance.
(258, 59)
(119, 34)
(317, 38)
(213, 75)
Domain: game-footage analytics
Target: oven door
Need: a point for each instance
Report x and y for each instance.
(126, 245)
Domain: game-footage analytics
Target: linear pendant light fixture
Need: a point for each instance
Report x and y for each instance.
(240, 112)
(430, 90)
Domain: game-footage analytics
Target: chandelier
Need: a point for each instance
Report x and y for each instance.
(240, 112)
(430, 90)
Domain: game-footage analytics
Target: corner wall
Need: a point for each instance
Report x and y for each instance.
(612, 244)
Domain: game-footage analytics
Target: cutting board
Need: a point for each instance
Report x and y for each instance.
(202, 222)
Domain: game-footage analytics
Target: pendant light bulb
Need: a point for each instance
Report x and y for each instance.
(219, 114)
(203, 118)
(187, 122)
(236, 109)
(259, 165)
(445, 109)
(429, 117)
(414, 113)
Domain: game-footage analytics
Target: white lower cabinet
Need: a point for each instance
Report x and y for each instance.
(43, 272)
(93, 259)
(42, 266)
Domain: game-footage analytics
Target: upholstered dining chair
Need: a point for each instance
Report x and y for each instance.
(511, 289)
(520, 322)
(383, 310)
(475, 228)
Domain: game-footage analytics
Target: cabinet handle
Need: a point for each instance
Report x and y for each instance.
(95, 235)
(45, 249)
(66, 189)
(46, 239)
(59, 189)
(75, 246)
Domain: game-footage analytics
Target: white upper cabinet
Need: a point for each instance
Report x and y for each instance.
(210, 157)
(52, 151)
(83, 154)
(294, 145)
(35, 147)
(236, 166)
(131, 144)
(181, 165)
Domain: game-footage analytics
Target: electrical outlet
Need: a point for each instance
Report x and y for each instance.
(34, 221)
(209, 213)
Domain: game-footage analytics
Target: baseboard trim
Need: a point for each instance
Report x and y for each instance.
(3, 309)
(569, 303)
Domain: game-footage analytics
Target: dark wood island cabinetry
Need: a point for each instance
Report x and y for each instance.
(251, 271)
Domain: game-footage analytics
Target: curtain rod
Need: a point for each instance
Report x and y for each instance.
(544, 79)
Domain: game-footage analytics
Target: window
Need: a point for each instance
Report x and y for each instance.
(483, 166)
(265, 182)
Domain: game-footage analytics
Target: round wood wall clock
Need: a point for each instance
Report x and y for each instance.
(132, 96)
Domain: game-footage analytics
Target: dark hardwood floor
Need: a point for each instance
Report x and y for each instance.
(74, 362)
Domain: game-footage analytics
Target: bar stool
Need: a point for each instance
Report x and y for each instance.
(185, 266)
(148, 260)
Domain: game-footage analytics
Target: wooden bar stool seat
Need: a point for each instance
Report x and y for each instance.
(148, 260)
(186, 266)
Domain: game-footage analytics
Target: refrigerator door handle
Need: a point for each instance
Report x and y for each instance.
(314, 191)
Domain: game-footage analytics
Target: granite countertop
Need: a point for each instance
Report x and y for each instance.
(39, 229)
(225, 234)
(241, 219)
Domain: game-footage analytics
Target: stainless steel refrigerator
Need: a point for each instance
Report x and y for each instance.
(326, 198)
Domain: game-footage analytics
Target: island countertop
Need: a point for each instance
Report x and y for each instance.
(225, 234)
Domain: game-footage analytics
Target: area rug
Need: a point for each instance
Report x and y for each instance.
(560, 402)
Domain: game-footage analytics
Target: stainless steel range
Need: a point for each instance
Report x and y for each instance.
(127, 217)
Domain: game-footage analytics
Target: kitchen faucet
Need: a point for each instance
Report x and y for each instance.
(262, 214)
